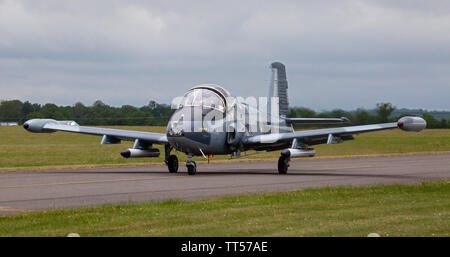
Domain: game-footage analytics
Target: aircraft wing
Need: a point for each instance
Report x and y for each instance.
(330, 135)
(317, 120)
(110, 136)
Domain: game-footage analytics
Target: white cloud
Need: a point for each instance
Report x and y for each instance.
(142, 50)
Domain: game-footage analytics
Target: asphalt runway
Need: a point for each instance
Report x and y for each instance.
(25, 191)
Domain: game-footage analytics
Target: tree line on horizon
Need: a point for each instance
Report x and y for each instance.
(99, 113)
(155, 114)
(384, 112)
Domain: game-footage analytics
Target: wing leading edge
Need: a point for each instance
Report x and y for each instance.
(331, 135)
(49, 125)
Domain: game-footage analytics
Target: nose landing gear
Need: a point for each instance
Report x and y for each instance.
(191, 165)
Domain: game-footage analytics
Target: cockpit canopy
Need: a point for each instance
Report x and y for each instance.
(203, 97)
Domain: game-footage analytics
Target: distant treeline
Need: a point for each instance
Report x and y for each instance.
(98, 114)
(158, 114)
(384, 112)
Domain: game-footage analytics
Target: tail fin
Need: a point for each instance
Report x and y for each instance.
(278, 87)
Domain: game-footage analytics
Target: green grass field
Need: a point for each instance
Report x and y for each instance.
(20, 149)
(393, 210)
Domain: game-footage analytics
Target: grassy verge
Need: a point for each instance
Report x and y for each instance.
(21, 150)
(393, 210)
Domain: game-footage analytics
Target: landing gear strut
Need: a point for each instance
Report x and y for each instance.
(283, 164)
(191, 165)
(171, 160)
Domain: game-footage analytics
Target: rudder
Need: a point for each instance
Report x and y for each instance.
(278, 86)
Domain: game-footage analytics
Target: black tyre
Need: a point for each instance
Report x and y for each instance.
(192, 169)
(172, 163)
(282, 165)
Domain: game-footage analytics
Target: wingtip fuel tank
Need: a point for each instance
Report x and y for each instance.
(409, 123)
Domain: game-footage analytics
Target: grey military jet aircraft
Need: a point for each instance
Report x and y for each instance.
(209, 121)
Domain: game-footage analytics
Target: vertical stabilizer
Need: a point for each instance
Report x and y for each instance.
(278, 86)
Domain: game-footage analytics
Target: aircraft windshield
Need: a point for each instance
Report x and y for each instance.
(205, 98)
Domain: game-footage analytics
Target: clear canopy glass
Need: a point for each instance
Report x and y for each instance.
(205, 98)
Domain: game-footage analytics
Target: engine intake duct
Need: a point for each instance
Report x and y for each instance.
(140, 153)
(295, 152)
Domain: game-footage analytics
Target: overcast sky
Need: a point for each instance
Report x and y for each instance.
(338, 54)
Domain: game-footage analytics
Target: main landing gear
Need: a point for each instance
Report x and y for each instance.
(283, 164)
(172, 163)
(171, 160)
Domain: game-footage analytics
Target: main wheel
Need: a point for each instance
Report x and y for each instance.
(172, 163)
(192, 169)
(282, 165)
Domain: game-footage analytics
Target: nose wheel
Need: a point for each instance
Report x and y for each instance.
(191, 168)
(191, 165)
